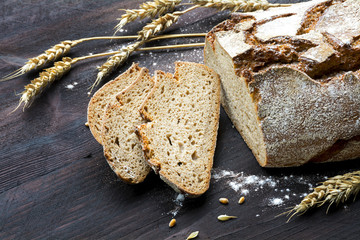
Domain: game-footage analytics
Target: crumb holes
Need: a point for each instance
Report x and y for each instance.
(117, 141)
(133, 145)
(146, 108)
(194, 156)
(181, 146)
(179, 164)
(168, 138)
(168, 153)
(193, 142)
(162, 90)
(128, 100)
(187, 92)
(190, 137)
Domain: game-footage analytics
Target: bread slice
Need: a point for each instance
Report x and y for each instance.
(122, 148)
(107, 95)
(180, 140)
(290, 80)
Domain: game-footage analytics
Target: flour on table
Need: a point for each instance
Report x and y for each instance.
(255, 184)
(179, 202)
(71, 86)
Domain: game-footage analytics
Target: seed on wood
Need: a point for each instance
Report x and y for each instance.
(225, 217)
(172, 222)
(241, 200)
(193, 235)
(224, 200)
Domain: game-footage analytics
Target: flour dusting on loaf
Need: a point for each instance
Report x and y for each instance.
(290, 80)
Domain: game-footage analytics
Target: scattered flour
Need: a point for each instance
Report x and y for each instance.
(71, 86)
(280, 185)
(276, 201)
(242, 182)
(179, 202)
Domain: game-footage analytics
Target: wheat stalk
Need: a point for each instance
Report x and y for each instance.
(148, 9)
(233, 5)
(49, 75)
(337, 190)
(64, 47)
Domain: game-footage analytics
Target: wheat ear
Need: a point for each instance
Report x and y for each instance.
(161, 23)
(233, 5)
(50, 55)
(337, 190)
(148, 9)
(115, 61)
(47, 77)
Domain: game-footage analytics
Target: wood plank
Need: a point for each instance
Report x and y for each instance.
(56, 184)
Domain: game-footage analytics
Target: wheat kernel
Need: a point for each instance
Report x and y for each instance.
(193, 235)
(225, 217)
(242, 200)
(172, 222)
(224, 201)
(87, 124)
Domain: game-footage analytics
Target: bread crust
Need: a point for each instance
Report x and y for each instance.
(321, 60)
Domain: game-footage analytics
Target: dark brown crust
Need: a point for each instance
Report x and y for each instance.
(312, 17)
(288, 50)
(336, 148)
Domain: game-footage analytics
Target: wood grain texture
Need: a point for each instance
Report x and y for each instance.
(55, 182)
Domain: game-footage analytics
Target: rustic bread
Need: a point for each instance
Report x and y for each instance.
(290, 80)
(122, 148)
(107, 95)
(179, 142)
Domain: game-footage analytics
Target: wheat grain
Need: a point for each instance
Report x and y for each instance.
(224, 201)
(233, 5)
(172, 223)
(337, 190)
(225, 217)
(148, 9)
(193, 235)
(47, 77)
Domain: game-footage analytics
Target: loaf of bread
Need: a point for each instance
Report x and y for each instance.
(290, 80)
(122, 148)
(179, 141)
(107, 95)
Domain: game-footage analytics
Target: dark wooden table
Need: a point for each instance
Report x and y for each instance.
(56, 184)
